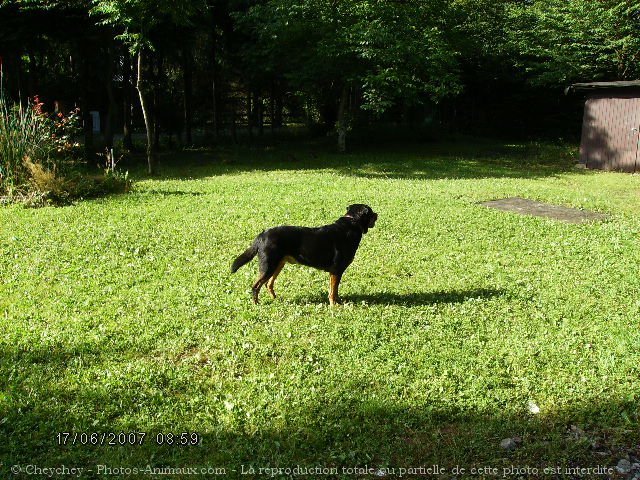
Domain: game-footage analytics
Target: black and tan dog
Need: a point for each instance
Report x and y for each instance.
(330, 248)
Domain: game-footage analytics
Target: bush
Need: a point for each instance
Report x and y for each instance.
(23, 135)
(38, 161)
(46, 182)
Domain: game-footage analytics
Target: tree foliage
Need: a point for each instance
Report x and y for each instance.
(321, 61)
(390, 51)
(561, 41)
(139, 22)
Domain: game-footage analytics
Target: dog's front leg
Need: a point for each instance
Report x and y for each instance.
(334, 283)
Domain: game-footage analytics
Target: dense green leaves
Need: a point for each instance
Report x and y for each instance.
(389, 50)
(386, 54)
(551, 42)
(560, 41)
(140, 18)
(407, 48)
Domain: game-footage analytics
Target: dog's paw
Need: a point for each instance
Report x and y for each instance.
(336, 301)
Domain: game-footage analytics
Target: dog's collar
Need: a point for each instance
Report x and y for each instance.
(355, 222)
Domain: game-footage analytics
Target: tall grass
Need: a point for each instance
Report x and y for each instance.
(38, 164)
(25, 136)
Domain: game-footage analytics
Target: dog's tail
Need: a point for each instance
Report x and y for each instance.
(245, 257)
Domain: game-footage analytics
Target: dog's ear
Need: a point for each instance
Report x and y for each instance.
(352, 210)
(363, 215)
(357, 210)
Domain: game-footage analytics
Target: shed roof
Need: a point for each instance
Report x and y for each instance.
(592, 86)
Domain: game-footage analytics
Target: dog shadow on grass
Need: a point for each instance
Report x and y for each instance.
(424, 298)
(412, 299)
(173, 193)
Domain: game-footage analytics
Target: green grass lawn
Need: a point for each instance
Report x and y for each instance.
(120, 314)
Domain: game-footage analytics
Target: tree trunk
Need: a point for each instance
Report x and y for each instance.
(279, 107)
(144, 92)
(272, 108)
(215, 89)
(341, 124)
(187, 76)
(13, 77)
(111, 112)
(260, 114)
(233, 120)
(87, 123)
(219, 106)
(126, 87)
(156, 103)
(32, 79)
(249, 115)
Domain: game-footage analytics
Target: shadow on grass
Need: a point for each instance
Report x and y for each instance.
(357, 432)
(402, 299)
(423, 298)
(341, 424)
(178, 193)
(453, 160)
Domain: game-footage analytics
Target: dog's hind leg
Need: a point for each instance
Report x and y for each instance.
(267, 268)
(262, 279)
(272, 280)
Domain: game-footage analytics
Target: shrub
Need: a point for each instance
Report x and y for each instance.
(47, 182)
(38, 164)
(24, 134)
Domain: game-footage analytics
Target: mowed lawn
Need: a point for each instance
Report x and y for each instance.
(121, 314)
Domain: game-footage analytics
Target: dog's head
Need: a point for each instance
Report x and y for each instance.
(362, 215)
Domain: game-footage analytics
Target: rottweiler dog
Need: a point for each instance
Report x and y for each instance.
(330, 248)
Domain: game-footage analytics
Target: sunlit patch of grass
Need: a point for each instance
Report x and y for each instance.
(121, 314)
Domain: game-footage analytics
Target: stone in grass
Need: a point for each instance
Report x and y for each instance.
(524, 206)
(599, 447)
(510, 443)
(577, 432)
(624, 466)
(533, 408)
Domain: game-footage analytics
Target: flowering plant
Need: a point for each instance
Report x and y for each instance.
(60, 129)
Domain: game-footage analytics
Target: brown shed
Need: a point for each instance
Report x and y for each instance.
(610, 126)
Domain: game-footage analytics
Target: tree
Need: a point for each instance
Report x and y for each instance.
(384, 51)
(141, 24)
(562, 41)
(58, 38)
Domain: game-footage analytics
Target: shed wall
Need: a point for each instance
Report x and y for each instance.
(610, 131)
